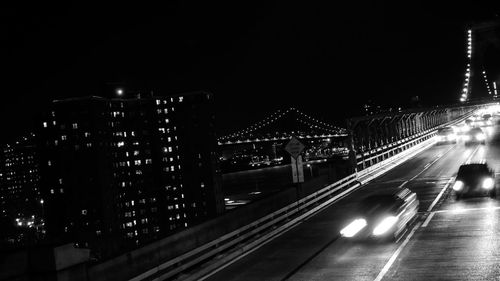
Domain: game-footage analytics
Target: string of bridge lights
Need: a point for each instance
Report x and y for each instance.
(320, 122)
(275, 117)
(486, 81)
(266, 121)
(317, 127)
(465, 90)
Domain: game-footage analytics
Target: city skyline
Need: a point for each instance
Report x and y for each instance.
(283, 140)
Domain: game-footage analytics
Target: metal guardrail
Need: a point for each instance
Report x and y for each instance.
(391, 149)
(229, 241)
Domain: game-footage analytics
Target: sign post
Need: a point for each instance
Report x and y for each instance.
(295, 147)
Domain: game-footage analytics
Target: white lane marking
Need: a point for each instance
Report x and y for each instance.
(403, 184)
(389, 263)
(428, 219)
(471, 155)
(468, 209)
(439, 195)
(430, 164)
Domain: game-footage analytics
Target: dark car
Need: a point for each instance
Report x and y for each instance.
(446, 135)
(474, 135)
(487, 120)
(383, 216)
(475, 179)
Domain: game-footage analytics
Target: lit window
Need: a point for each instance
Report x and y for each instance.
(84, 212)
(129, 224)
(202, 185)
(157, 102)
(75, 126)
(169, 139)
(61, 190)
(167, 121)
(161, 130)
(60, 181)
(45, 124)
(148, 161)
(169, 149)
(172, 168)
(52, 191)
(181, 99)
(137, 162)
(132, 202)
(63, 137)
(49, 163)
(120, 144)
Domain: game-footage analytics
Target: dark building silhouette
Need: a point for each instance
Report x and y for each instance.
(116, 173)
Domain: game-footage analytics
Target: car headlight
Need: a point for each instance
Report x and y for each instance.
(488, 183)
(480, 137)
(353, 228)
(458, 185)
(385, 225)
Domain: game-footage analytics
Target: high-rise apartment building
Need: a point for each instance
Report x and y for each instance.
(19, 179)
(122, 172)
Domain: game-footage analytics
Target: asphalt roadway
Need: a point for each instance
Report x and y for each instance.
(451, 240)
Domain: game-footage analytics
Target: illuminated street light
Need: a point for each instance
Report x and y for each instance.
(119, 91)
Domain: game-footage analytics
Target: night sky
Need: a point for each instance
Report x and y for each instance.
(326, 59)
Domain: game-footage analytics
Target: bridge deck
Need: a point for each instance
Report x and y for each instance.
(450, 245)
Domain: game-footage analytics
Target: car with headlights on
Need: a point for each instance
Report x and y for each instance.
(475, 179)
(383, 216)
(474, 135)
(446, 135)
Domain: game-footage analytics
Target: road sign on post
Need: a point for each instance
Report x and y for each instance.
(294, 147)
(297, 170)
